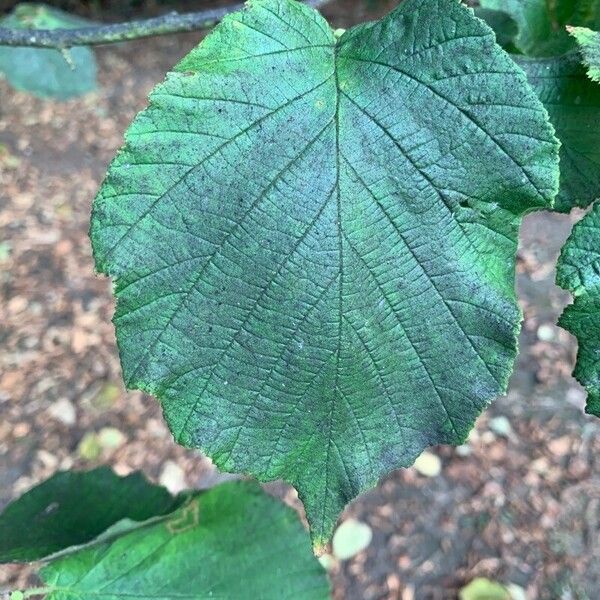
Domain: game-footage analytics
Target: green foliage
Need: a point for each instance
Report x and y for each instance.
(232, 541)
(571, 94)
(313, 241)
(47, 72)
(542, 23)
(579, 272)
(588, 42)
(560, 81)
(573, 103)
(34, 526)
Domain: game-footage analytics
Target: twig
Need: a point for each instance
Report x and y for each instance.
(120, 32)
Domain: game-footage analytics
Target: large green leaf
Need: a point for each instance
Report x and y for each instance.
(573, 102)
(233, 541)
(313, 241)
(72, 508)
(589, 46)
(579, 272)
(542, 22)
(46, 72)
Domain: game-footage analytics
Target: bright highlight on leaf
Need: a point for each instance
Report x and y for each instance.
(313, 241)
(233, 541)
(573, 103)
(579, 272)
(47, 72)
(504, 26)
(589, 46)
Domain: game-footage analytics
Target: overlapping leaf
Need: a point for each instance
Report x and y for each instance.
(73, 508)
(313, 241)
(579, 272)
(573, 103)
(232, 541)
(47, 72)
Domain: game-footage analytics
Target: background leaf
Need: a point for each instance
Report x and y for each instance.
(589, 46)
(46, 72)
(578, 271)
(313, 241)
(542, 23)
(484, 589)
(233, 541)
(72, 508)
(573, 103)
(504, 26)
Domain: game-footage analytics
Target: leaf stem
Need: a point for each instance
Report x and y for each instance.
(120, 32)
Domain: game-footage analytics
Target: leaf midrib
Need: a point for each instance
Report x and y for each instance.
(340, 289)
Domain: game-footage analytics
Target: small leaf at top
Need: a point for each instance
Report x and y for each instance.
(588, 42)
(579, 272)
(46, 72)
(573, 103)
(73, 508)
(313, 241)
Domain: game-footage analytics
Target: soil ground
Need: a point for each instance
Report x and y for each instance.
(519, 505)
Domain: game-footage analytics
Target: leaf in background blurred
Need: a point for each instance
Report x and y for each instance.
(47, 72)
(484, 589)
(555, 72)
(573, 103)
(579, 272)
(504, 26)
(72, 508)
(589, 47)
(541, 24)
(232, 541)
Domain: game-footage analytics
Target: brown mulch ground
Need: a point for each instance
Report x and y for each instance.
(522, 507)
